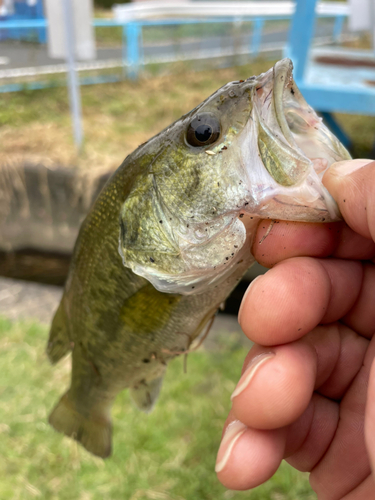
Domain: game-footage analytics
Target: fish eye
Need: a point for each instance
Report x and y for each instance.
(203, 130)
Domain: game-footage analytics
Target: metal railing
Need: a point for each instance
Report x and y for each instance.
(194, 9)
(132, 48)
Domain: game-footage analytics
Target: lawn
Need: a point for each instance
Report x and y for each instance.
(167, 455)
(111, 36)
(117, 117)
(179, 33)
(170, 454)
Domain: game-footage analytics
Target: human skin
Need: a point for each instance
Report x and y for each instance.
(307, 389)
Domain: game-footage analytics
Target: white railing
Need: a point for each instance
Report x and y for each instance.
(195, 9)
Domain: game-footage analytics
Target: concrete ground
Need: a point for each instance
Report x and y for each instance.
(26, 300)
(23, 58)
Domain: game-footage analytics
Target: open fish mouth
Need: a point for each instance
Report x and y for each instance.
(299, 123)
(294, 146)
(253, 150)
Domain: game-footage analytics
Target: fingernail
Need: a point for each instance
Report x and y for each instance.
(250, 372)
(245, 295)
(233, 432)
(343, 168)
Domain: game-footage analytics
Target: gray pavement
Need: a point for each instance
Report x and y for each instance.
(26, 300)
(21, 55)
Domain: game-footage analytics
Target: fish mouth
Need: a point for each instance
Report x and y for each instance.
(301, 126)
(283, 84)
(295, 147)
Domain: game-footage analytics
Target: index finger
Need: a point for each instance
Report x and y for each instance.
(294, 239)
(352, 184)
(296, 295)
(299, 239)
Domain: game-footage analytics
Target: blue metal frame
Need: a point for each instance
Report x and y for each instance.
(25, 12)
(300, 35)
(352, 98)
(257, 35)
(336, 129)
(23, 23)
(39, 85)
(332, 97)
(132, 54)
(340, 99)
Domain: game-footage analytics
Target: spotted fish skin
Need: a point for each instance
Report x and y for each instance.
(170, 236)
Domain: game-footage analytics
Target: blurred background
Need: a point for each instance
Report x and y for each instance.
(82, 84)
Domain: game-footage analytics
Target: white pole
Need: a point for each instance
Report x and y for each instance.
(73, 81)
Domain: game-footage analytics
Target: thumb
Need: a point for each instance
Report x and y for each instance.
(352, 185)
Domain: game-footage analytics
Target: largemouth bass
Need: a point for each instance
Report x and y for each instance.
(169, 237)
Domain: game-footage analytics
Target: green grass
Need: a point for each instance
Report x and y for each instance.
(167, 455)
(111, 36)
(118, 117)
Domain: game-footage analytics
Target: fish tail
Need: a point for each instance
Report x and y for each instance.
(94, 432)
(58, 343)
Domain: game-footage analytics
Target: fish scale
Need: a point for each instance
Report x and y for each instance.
(170, 236)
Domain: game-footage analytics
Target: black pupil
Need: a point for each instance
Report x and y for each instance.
(203, 130)
(203, 133)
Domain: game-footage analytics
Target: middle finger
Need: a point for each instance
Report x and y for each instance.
(277, 383)
(296, 295)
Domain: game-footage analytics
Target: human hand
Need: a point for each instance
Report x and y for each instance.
(307, 390)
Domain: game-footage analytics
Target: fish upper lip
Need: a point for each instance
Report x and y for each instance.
(282, 79)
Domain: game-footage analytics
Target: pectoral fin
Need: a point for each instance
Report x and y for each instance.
(145, 394)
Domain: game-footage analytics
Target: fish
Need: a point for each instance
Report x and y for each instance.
(169, 237)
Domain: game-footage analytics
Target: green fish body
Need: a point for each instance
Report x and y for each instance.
(169, 237)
